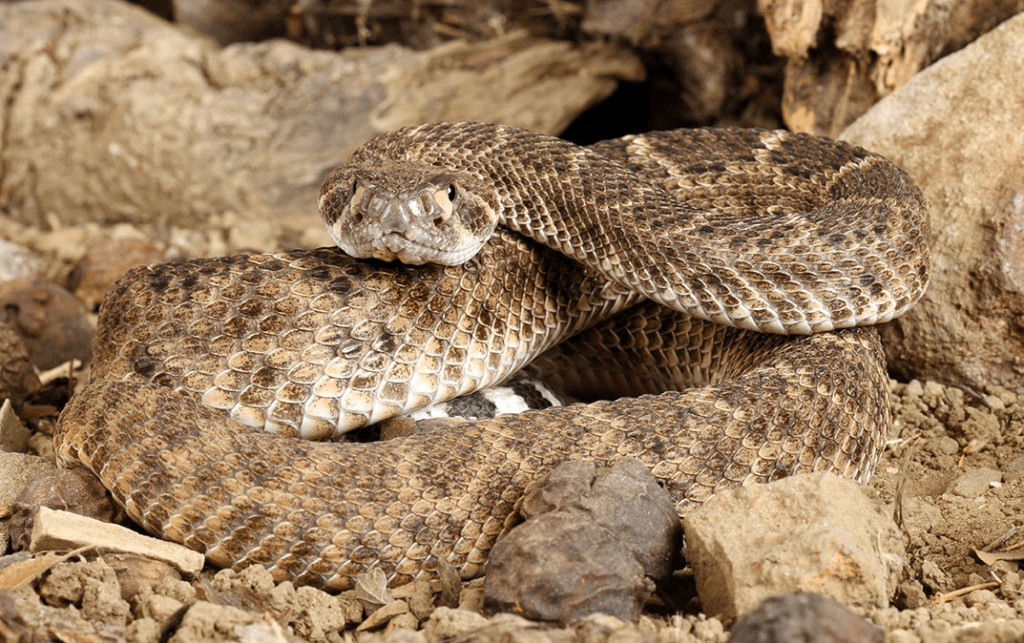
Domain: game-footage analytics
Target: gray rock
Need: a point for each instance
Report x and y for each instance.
(50, 321)
(803, 617)
(955, 127)
(593, 539)
(806, 533)
(17, 262)
(975, 482)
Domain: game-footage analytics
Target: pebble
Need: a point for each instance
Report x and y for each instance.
(104, 262)
(52, 323)
(975, 482)
(17, 262)
(803, 617)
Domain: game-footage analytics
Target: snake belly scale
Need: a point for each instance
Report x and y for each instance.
(190, 355)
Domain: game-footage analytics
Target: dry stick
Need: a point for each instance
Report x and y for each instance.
(938, 599)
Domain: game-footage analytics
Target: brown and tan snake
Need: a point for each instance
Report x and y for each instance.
(724, 233)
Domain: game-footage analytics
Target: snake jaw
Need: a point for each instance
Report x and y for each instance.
(408, 212)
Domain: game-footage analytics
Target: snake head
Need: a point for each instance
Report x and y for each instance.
(410, 212)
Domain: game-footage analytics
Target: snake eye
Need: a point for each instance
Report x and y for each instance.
(355, 185)
(452, 192)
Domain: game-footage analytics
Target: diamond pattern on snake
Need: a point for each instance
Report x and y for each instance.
(723, 283)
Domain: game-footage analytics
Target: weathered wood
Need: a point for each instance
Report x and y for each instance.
(842, 57)
(110, 113)
(62, 530)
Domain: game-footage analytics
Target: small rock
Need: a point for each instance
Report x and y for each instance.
(92, 586)
(402, 622)
(17, 262)
(208, 622)
(803, 617)
(975, 482)
(104, 262)
(447, 623)
(319, 615)
(63, 489)
(383, 615)
(419, 597)
(624, 498)
(157, 607)
(50, 320)
(14, 435)
(18, 470)
(934, 390)
(910, 595)
(18, 379)
(812, 532)
(981, 596)
(559, 567)
(63, 530)
(934, 578)
(143, 629)
(137, 575)
(593, 539)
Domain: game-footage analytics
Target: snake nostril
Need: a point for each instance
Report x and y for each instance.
(438, 222)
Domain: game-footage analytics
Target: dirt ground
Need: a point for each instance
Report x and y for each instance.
(953, 473)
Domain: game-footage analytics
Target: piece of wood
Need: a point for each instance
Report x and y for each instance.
(60, 530)
(115, 115)
(842, 57)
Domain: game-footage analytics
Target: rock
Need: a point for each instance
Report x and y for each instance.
(63, 489)
(17, 262)
(841, 57)
(104, 262)
(447, 623)
(205, 621)
(975, 482)
(14, 435)
(140, 576)
(640, 21)
(593, 540)
(229, 21)
(806, 533)
(51, 322)
(55, 530)
(92, 586)
(18, 379)
(17, 470)
(110, 113)
(955, 127)
(803, 617)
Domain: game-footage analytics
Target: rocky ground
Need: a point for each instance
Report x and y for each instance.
(954, 469)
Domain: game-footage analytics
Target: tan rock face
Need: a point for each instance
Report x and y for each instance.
(807, 533)
(841, 57)
(111, 114)
(956, 129)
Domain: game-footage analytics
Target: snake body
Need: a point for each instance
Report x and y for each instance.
(720, 231)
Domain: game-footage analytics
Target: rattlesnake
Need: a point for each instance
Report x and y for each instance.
(778, 232)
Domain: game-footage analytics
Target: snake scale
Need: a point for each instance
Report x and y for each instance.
(718, 234)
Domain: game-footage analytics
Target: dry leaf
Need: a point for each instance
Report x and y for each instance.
(21, 573)
(990, 557)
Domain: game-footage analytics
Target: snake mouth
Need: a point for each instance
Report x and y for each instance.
(395, 245)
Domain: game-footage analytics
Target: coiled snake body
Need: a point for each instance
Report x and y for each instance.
(723, 232)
